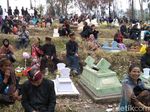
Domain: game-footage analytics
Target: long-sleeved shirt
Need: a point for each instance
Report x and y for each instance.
(49, 49)
(40, 98)
(72, 48)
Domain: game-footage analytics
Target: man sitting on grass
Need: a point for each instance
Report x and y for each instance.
(38, 94)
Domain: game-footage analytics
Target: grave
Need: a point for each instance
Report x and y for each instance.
(146, 77)
(99, 81)
(94, 22)
(80, 26)
(115, 22)
(88, 21)
(142, 34)
(63, 84)
(55, 32)
(113, 48)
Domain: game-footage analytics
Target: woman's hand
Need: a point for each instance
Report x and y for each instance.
(16, 95)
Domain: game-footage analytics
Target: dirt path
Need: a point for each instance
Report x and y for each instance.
(81, 104)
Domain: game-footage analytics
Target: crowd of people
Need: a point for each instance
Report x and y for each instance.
(11, 22)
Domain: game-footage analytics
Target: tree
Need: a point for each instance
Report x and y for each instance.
(7, 4)
(141, 9)
(41, 9)
(61, 3)
(31, 6)
(108, 3)
(51, 9)
(64, 4)
(87, 5)
(149, 8)
(131, 11)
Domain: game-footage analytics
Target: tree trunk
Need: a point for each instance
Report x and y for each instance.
(149, 9)
(62, 8)
(133, 14)
(109, 9)
(31, 7)
(7, 4)
(141, 9)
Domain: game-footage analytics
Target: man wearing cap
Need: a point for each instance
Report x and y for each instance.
(49, 56)
(38, 94)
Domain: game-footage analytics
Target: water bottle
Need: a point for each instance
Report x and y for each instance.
(6, 90)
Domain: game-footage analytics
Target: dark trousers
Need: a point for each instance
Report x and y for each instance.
(73, 63)
(22, 43)
(50, 64)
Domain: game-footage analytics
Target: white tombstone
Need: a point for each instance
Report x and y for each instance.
(88, 21)
(146, 73)
(75, 23)
(65, 73)
(55, 32)
(80, 26)
(115, 22)
(63, 83)
(94, 22)
(48, 24)
(60, 66)
(142, 34)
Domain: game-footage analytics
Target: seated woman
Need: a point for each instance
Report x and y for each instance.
(118, 37)
(135, 32)
(86, 31)
(9, 92)
(94, 31)
(129, 99)
(64, 30)
(7, 50)
(92, 44)
(36, 53)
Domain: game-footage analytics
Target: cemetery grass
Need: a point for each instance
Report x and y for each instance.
(119, 64)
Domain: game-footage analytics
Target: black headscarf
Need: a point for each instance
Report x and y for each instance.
(6, 42)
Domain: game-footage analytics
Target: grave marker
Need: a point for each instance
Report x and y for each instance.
(100, 82)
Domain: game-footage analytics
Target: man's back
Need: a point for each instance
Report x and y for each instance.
(49, 49)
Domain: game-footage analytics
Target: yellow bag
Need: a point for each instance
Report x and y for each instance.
(143, 49)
